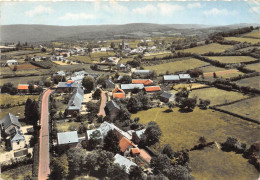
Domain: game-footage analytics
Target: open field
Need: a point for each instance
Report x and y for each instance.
(182, 130)
(251, 82)
(22, 80)
(193, 86)
(124, 60)
(157, 55)
(229, 73)
(14, 99)
(211, 68)
(25, 66)
(17, 111)
(27, 72)
(243, 108)
(248, 48)
(255, 67)
(6, 71)
(19, 173)
(214, 47)
(253, 34)
(172, 67)
(212, 163)
(232, 59)
(242, 39)
(217, 96)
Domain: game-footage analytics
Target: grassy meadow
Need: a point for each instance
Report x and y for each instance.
(214, 47)
(232, 59)
(252, 82)
(14, 99)
(193, 86)
(211, 68)
(253, 34)
(255, 67)
(243, 39)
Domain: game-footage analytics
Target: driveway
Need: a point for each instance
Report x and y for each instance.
(44, 157)
(102, 104)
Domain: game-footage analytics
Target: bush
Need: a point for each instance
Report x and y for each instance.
(232, 144)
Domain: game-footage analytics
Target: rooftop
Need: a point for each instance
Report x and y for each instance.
(132, 86)
(67, 137)
(122, 161)
(152, 88)
(171, 77)
(10, 119)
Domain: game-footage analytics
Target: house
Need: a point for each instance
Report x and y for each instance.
(67, 87)
(74, 105)
(59, 73)
(9, 122)
(121, 67)
(118, 93)
(64, 54)
(68, 138)
(184, 77)
(78, 73)
(11, 62)
(123, 45)
(124, 162)
(24, 88)
(17, 139)
(151, 89)
(142, 72)
(136, 136)
(130, 87)
(171, 78)
(110, 84)
(145, 82)
(166, 97)
(126, 145)
(112, 60)
(112, 109)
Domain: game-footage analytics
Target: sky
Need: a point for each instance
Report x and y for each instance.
(124, 12)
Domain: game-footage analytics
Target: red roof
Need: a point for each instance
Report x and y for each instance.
(152, 88)
(118, 93)
(135, 150)
(24, 86)
(142, 81)
(145, 156)
(70, 81)
(125, 144)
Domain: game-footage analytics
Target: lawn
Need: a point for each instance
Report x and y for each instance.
(172, 67)
(17, 111)
(255, 67)
(212, 163)
(232, 59)
(22, 80)
(253, 34)
(217, 96)
(214, 47)
(193, 86)
(182, 130)
(243, 108)
(19, 173)
(69, 126)
(252, 82)
(242, 39)
(14, 99)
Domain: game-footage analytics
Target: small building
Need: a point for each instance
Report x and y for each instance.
(152, 89)
(68, 138)
(59, 73)
(130, 87)
(80, 73)
(124, 162)
(11, 62)
(142, 72)
(123, 45)
(112, 60)
(167, 97)
(9, 122)
(74, 105)
(121, 67)
(171, 78)
(17, 139)
(112, 109)
(66, 87)
(145, 82)
(110, 84)
(136, 136)
(24, 88)
(184, 77)
(118, 93)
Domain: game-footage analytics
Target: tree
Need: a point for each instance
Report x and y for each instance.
(214, 75)
(203, 104)
(27, 110)
(151, 135)
(59, 167)
(153, 75)
(178, 172)
(168, 151)
(102, 81)
(8, 88)
(95, 140)
(170, 105)
(126, 80)
(134, 105)
(43, 49)
(31, 88)
(88, 83)
(112, 45)
(76, 158)
(111, 142)
(97, 94)
(136, 173)
(116, 172)
(160, 163)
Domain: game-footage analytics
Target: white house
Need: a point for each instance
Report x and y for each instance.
(11, 62)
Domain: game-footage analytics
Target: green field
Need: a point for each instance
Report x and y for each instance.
(255, 67)
(19, 173)
(182, 130)
(84, 59)
(17, 111)
(252, 82)
(214, 47)
(253, 34)
(242, 108)
(217, 96)
(211, 68)
(242, 39)
(172, 67)
(6, 71)
(22, 80)
(157, 55)
(232, 59)
(14, 99)
(212, 163)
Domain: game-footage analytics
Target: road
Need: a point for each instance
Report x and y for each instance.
(44, 157)
(102, 104)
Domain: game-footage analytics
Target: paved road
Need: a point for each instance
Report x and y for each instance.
(44, 161)
(102, 104)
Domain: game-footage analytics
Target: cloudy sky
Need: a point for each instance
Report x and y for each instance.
(118, 12)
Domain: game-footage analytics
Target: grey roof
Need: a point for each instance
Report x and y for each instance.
(111, 105)
(62, 73)
(65, 84)
(10, 119)
(78, 78)
(110, 83)
(122, 161)
(142, 71)
(80, 73)
(68, 137)
(16, 135)
(132, 86)
(11, 61)
(184, 76)
(140, 133)
(119, 78)
(171, 77)
(167, 95)
(76, 99)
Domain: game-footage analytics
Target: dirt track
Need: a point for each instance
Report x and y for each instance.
(102, 104)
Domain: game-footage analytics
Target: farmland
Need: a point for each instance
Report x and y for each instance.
(214, 47)
(252, 82)
(84, 59)
(211, 68)
(212, 163)
(242, 39)
(229, 73)
(157, 55)
(6, 71)
(253, 34)
(217, 96)
(17, 111)
(21, 80)
(242, 108)
(172, 67)
(14, 99)
(255, 67)
(182, 130)
(232, 59)
(25, 66)
(193, 86)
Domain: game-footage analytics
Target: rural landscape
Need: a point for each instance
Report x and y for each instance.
(137, 101)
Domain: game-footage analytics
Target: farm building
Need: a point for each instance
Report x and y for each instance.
(171, 78)
(11, 62)
(130, 87)
(118, 93)
(68, 138)
(9, 122)
(124, 162)
(24, 88)
(142, 72)
(112, 109)
(184, 77)
(152, 89)
(66, 87)
(166, 97)
(74, 105)
(145, 82)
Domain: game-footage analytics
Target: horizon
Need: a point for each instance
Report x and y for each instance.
(129, 12)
